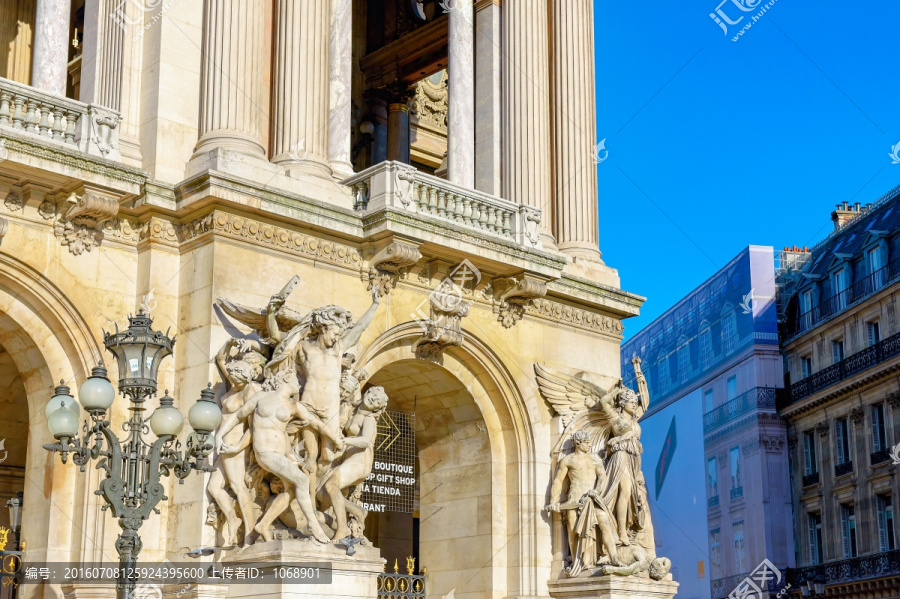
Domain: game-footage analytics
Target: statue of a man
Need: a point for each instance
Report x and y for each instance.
(584, 509)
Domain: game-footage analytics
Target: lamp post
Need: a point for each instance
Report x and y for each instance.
(15, 518)
(133, 466)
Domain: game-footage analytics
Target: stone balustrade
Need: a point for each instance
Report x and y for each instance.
(401, 187)
(87, 127)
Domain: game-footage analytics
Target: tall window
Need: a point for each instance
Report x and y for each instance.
(715, 554)
(664, 374)
(805, 366)
(885, 506)
(684, 362)
(712, 477)
(706, 349)
(837, 351)
(879, 432)
(732, 387)
(814, 523)
(873, 330)
(729, 332)
(740, 557)
(842, 440)
(806, 302)
(875, 265)
(848, 530)
(838, 288)
(708, 401)
(735, 455)
(810, 464)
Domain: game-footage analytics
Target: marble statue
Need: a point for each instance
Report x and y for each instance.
(605, 506)
(298, 432)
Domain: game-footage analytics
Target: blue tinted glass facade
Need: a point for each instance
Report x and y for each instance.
(731, 311)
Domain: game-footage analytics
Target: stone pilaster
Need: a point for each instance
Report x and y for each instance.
(51, 46)
(461, 104)
(101, 78)
(574, 219)
(488, 97)
(231, 104)
(526, 107)
(340, 117)
(301, 130)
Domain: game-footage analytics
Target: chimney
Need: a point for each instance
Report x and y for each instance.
(844, 214)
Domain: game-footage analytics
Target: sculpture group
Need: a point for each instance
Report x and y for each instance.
(298, 435)
(598, 487)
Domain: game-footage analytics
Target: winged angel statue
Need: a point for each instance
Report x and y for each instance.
(605, 508)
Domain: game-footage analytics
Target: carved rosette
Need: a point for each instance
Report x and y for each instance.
(390, 264)
(513, 295)
(442, 329)
(81, 226)
(14, 201)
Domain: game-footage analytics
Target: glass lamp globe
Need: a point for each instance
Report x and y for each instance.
(63, 423)
(97, 393)
(205, 415)
(166, 419)
(62, 398)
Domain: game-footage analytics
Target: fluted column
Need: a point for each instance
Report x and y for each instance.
(461, 101)
(573, 104)
(49, 68)
(302, 37)
(104, 34)
(340, 118)
(231, 104)
(488, 97)
(526, 107)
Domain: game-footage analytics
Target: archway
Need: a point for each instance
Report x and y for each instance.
(13, 435)
(477, 532)
(45, 340)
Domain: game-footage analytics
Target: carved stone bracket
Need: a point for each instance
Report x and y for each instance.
(4, 229)
(442, 328)
(390, 263)
(822, 428)
(772, 444)
(513, 295)
(81, 224)
(893, 399)
(856, 415)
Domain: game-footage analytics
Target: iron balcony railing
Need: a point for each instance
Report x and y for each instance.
(737, 493)
(845, 298)
(867, 358)
(842, 469)
(855, 569)
(712, 502)
(810, 479)
(754, 399)
(879, 457)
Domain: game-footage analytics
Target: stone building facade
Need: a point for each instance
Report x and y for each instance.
(158, 155)
(840, 344)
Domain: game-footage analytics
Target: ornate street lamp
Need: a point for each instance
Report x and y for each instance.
(133, 466)
(814, 586)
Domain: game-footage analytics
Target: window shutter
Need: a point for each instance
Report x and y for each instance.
(845, 531)
(839, 440)
(807, 457)
(882, 524)
(813, 550)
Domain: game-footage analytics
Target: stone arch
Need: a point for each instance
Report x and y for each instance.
(508, 419)
(48, 340)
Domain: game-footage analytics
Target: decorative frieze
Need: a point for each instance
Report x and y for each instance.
(772, 444)
(575, 316)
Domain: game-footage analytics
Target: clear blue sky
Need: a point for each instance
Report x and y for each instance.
(715, 144)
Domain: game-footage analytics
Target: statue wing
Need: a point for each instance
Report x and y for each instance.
(568, 395)
(255, 318)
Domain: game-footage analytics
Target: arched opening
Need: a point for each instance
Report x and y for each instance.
(13, 435)
(449, 531)
(479, 527)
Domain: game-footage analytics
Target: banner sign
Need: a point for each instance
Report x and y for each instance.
(391, 487)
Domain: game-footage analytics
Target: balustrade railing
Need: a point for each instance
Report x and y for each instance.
(402, 187)
(879, 457)
(842, 469)
(87, 127)
(756, 398)
(849, 366)
(810, 479)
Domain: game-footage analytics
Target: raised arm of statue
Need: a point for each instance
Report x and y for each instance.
(275, 304)
(643, 390)
(353, 335)
(221, 358)
(607, 403)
